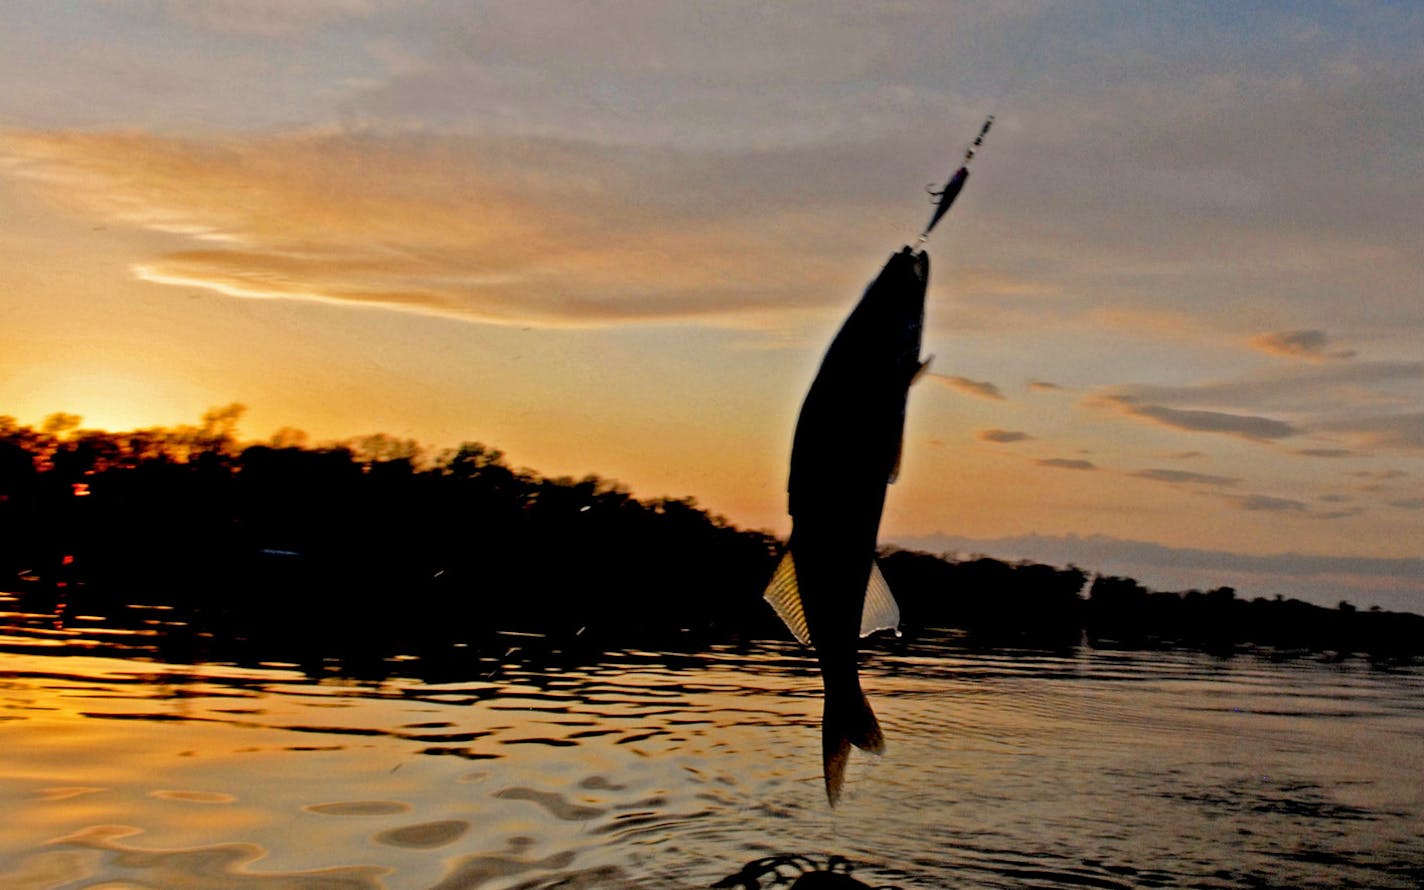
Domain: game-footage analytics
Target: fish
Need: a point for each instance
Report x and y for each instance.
(845, 452)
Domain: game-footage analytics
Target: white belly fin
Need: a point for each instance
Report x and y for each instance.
(785, 598)
(881, 612)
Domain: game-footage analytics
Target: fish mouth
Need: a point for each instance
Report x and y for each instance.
(921, 264)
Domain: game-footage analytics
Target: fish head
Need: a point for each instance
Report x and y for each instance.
(895, 304)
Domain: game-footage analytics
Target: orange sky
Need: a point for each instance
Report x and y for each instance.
(1177, 305)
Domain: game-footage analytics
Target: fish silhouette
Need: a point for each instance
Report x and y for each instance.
(846, 450)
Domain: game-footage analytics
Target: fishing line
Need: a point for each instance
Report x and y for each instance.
(1016, 72)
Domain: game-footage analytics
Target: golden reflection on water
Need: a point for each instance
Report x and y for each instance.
(215, 776)
(652, 770)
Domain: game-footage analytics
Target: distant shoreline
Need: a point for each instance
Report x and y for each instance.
(374, 540)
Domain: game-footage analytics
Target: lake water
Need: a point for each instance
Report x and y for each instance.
(673, 770)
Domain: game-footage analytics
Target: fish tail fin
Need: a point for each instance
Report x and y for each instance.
(847, 720)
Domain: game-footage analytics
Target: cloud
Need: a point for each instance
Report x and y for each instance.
(981, 388)
(832, 103)
(1325, 579)
(257, 18)
(1301, 388)
(1379, 474)
(1388, 432)
(724, 75)
(1266, 503)
(1182, 455)
(1339, 514)
(513, 231)
(1241, 425)
(1065, 463)
(1408, 503)
(1002, 436)
(1043, 386)
(1307, 344)
(1182, 477)
(1354, 408)
(1261, 503)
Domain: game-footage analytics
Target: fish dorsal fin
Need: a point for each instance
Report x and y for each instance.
(881, 612)
(785, 598)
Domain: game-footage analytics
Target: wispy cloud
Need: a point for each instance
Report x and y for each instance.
(981, 388)
(1309, 344)
(1263, 503)
(1298, 387)
(1183, 477)
(1182, 455)
(1347, 409)
(499, 230)
(1002, 436)
(1338, 514)
(1379, 474)
(1066, 463)
(263, 19)
(1324, 452)
(1267, 503)
(1387, 432)
(1242, 425)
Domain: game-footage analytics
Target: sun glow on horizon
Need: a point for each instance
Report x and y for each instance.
(105, 398)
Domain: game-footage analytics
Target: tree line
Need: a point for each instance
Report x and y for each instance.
(377, 544)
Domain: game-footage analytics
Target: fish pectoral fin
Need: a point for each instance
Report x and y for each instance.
(893, 476)
(881, 612)
(785, 597)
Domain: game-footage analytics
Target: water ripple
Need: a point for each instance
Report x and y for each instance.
(651, 770)
(555, 804)
(425, 836)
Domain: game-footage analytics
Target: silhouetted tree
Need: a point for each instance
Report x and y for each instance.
(375, 546)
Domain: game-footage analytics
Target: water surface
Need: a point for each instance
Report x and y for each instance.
(648, 769)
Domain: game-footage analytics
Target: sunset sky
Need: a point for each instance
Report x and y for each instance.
(1177, 314)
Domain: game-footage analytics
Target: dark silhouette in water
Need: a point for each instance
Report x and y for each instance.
(796, 872)
(846, 451)
(344, 555)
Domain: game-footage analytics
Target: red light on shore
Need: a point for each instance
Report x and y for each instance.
(81, 489)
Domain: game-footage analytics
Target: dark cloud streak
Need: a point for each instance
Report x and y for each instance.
(981, 388)
(1258, 429)
(1309, 344)
(1183, 477)
(1066, 463)
(1002, 436)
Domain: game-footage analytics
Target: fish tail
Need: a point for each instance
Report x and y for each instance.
(847, 720)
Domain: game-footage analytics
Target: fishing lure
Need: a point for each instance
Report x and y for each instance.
(945, 196)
